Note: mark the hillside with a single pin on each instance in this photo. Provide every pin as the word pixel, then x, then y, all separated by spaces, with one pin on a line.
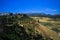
pixel 50 23
pixel 23 27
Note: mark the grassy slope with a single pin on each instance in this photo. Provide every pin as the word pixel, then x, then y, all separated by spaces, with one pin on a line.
pixel 29 23
pixel 31 26
pixel 46 24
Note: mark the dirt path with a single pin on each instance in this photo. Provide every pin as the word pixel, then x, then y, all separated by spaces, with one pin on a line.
pixel 47 32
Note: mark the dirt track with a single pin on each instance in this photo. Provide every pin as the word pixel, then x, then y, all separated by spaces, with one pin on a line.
pixel 47 32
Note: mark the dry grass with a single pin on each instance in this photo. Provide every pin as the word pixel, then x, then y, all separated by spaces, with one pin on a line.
pixel 47 32
pixel 42 19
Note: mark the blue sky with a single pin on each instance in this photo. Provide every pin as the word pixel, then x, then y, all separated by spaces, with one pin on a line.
pixel 30 6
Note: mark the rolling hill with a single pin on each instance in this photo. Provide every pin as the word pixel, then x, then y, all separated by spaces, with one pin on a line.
pixel 24 27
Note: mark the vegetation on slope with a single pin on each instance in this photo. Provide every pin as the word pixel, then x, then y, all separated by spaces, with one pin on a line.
pixel 22 27
pixel 14 31
pixel 50 23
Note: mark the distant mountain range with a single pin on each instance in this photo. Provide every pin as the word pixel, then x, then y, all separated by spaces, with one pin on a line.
pixel 34 14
